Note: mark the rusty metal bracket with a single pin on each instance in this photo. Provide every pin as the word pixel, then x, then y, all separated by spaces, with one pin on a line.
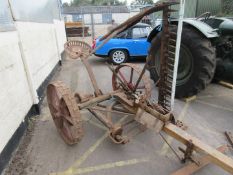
pixel 229 137
pixel 193 167
pixel 188 152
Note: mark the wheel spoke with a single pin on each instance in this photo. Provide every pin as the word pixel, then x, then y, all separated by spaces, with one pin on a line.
pixel 131 75
pixel 66 130
pixel 67 117
pixel 123 77
pixel 131 71
pixel 65 112
pixel 141 87
pixel 54 100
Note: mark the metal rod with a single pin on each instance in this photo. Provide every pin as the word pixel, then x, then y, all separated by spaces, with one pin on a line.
pixel 101 118
pixel 177 56
pixel 112 111
pixel 94 101
pixel 109 108
pixel 97 100
pixel 122 83
pixel 142 73
pixel 92 27
pixel 115 108
pixel 170 146
pixel 82 23
pixel 91 76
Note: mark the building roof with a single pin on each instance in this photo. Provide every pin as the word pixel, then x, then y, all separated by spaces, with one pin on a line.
pixel 95 9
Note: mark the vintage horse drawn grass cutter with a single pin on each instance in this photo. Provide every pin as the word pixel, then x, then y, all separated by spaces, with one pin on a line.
pixel 131 95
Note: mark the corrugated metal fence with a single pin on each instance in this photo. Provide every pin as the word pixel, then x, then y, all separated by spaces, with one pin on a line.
pixel 213 6
pixel 194 8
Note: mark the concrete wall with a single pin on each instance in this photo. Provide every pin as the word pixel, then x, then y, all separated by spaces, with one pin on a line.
pixel 27 57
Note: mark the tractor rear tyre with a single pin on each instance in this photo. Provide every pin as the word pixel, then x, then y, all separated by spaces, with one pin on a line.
pixel 197 62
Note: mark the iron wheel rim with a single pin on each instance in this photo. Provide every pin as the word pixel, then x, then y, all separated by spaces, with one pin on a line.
pixel 64 116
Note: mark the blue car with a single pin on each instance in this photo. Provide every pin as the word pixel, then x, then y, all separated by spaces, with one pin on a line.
pixel 130 43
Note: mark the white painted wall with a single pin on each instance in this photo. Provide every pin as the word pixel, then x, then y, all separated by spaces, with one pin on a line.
pixel 131 14
pixel 27 56
pixel 98 18
pixel 120 17
pixel 15 97
pixel 87 18
pixel 60 35
pixel 67 18
pixel 39 48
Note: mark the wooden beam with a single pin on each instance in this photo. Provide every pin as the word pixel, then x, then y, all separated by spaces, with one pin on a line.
pixel 215 156
pixel 193 167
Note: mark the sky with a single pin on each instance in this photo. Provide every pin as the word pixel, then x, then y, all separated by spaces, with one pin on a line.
pixel 128 1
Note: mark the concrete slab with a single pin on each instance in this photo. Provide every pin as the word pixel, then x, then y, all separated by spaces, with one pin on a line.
pixel 42 151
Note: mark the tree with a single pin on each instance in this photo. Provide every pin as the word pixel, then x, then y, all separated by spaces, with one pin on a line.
pixel 142 2
pixel 65 4
pixel 80 2
pixel 227 7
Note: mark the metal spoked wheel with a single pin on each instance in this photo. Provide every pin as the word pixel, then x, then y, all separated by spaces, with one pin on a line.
pixel 118 56
pixel 129 74
pixel 65 112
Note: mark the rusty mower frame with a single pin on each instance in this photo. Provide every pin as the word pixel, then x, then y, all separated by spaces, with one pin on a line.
pixel 130 96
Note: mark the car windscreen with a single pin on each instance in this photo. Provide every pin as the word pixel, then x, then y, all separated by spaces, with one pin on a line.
pixel 141 32
pixel 122 35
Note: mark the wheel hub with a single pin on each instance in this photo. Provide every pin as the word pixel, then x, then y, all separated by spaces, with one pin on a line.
pixel 118 56
pixel 185 67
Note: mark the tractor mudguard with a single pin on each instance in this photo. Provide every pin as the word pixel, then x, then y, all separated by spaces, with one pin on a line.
pixel 154 32
pixel 226 28
pixel 200 26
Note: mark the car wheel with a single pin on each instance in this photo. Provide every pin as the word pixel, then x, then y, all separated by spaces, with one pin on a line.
pixel 118 56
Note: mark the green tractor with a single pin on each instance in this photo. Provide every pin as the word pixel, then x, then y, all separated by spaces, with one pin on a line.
pixel 206 53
